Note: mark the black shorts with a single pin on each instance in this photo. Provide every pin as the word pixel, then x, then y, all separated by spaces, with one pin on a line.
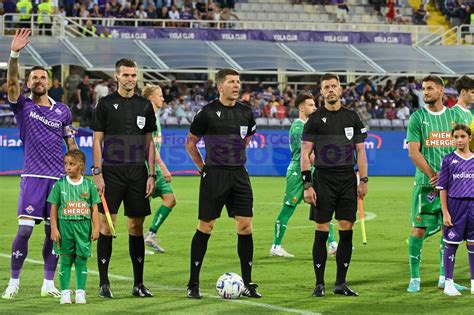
pixel 335 192
pixel 229 186
pixel 126 183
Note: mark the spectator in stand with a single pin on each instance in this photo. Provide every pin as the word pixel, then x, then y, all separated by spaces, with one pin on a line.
pixel 56 92
pixel 350 93
pixel 186 15
pixel 400 19
pixel 141 14
pixel 83 12
pixel 341 11
pixel 377 111
pixel 201 8
pixel 361 110
pixel 89 29
pixel 152 11
pixel 227 15
pixel 256 110
pixel 403 112
pixel 114 8
pixel 100 90
pixel 173 15
pixel 281 109
pixel 95 12
pixel 420 16
pixel 292 110
pixel 105 33
pixel 181 109
pixel 377 4
pixel 128 13
pixel 3 93
pixel 390 15
pixel 390 111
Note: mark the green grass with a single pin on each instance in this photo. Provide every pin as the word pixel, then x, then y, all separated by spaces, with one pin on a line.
pixel 379 270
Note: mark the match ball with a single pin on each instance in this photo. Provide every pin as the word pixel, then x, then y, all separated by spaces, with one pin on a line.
pixel 230 286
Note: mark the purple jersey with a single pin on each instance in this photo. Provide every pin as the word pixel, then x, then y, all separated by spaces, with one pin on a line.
pixel 457 176
pixel 42 130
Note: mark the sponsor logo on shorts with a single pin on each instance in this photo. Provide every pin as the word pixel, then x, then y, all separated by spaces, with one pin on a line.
pixel 30 209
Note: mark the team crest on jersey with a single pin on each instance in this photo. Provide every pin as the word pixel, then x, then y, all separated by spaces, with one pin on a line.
pixel 58 111
pixel 243 131
pixel 141 122
pixel 349 131
pixel 324 119
pixel 116 105
pixel 85 195
pixel 218 113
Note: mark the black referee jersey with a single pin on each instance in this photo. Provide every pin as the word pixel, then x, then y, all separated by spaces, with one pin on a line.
pixel 224 129
pixel 124 121
pixel 334 134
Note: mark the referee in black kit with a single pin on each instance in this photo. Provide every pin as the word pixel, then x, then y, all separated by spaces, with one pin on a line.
pixel 227 127
pixel 336 135
pixel 122 124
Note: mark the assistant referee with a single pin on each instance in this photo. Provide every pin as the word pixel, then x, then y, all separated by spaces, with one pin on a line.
pixel 227 127
pixel 336 135
pixel 123 123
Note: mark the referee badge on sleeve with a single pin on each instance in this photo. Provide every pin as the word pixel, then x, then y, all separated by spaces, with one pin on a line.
pixel 243 131
pixel 349 132
pixel 141 122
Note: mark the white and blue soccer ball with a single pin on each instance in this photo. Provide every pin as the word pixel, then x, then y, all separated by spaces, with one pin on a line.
pixel 230 286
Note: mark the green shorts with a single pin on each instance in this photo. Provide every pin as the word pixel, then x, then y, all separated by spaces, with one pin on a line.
pixel 75 237
pixel 294 191
pixel 161 186
pixel 426 207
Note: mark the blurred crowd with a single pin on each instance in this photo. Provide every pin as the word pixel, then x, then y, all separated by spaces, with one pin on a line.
pixel 390 100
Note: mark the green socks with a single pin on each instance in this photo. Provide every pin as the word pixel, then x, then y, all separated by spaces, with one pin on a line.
pixel 415 245
pixel 65 272
pixel 81 272
pixel 282 222
pixel 441 254
pixel 160 217
pixel 331 237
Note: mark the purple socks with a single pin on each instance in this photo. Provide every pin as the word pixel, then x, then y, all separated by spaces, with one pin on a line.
pixel 449 258
pixel 20 250
pixel 470 250
pixel 50 259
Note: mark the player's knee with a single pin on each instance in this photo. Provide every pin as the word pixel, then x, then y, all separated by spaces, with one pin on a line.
pixel 206 227
pixel 169 201
pixel 418 232
pixel 105 229
pixel 25 231
pixel 244 227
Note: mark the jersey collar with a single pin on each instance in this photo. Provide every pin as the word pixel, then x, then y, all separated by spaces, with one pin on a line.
pixel 74 183
pixel 441 112
pixel 461 157
pixel 53 102
pixel 462 108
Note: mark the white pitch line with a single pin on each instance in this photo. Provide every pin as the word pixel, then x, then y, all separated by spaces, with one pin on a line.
pixel 171 288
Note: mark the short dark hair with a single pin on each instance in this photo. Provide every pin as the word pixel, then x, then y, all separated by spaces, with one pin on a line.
pixel 221 74
pixel 77 155
pixel 434 78
pixel 38 68
pixel 461 127
pixel 464 83
pixel 125 62
pixel 302 97
pixel 329 76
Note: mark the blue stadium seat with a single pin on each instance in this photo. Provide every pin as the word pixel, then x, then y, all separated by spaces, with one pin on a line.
pixel 397 124
pixel 386 123
pixel 261 122
pixel 374 123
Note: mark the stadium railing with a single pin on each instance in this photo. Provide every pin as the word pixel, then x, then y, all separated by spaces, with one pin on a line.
pixel 74 27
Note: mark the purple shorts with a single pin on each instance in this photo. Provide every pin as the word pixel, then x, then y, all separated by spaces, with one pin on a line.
pixel 34 192
pixel 462 218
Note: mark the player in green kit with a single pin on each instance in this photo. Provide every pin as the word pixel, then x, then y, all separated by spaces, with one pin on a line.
pixel 465 87
pixel 163 187
pixel 294 184
pixel 74 200
pixel 429 141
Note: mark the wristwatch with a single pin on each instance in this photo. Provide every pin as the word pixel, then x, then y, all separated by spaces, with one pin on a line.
pixel 96 170
pixel 307 185
pixel 364 179
pixel 152 175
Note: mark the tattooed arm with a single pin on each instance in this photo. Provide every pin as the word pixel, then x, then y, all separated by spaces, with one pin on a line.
pixel 13 84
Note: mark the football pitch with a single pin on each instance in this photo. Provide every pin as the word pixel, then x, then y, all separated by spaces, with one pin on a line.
pixel 379 270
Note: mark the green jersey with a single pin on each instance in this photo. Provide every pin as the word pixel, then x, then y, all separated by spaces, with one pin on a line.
pixel 157 139
pixel 74 200
pixel 296 132
pixel 464 113
pixel 433 131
